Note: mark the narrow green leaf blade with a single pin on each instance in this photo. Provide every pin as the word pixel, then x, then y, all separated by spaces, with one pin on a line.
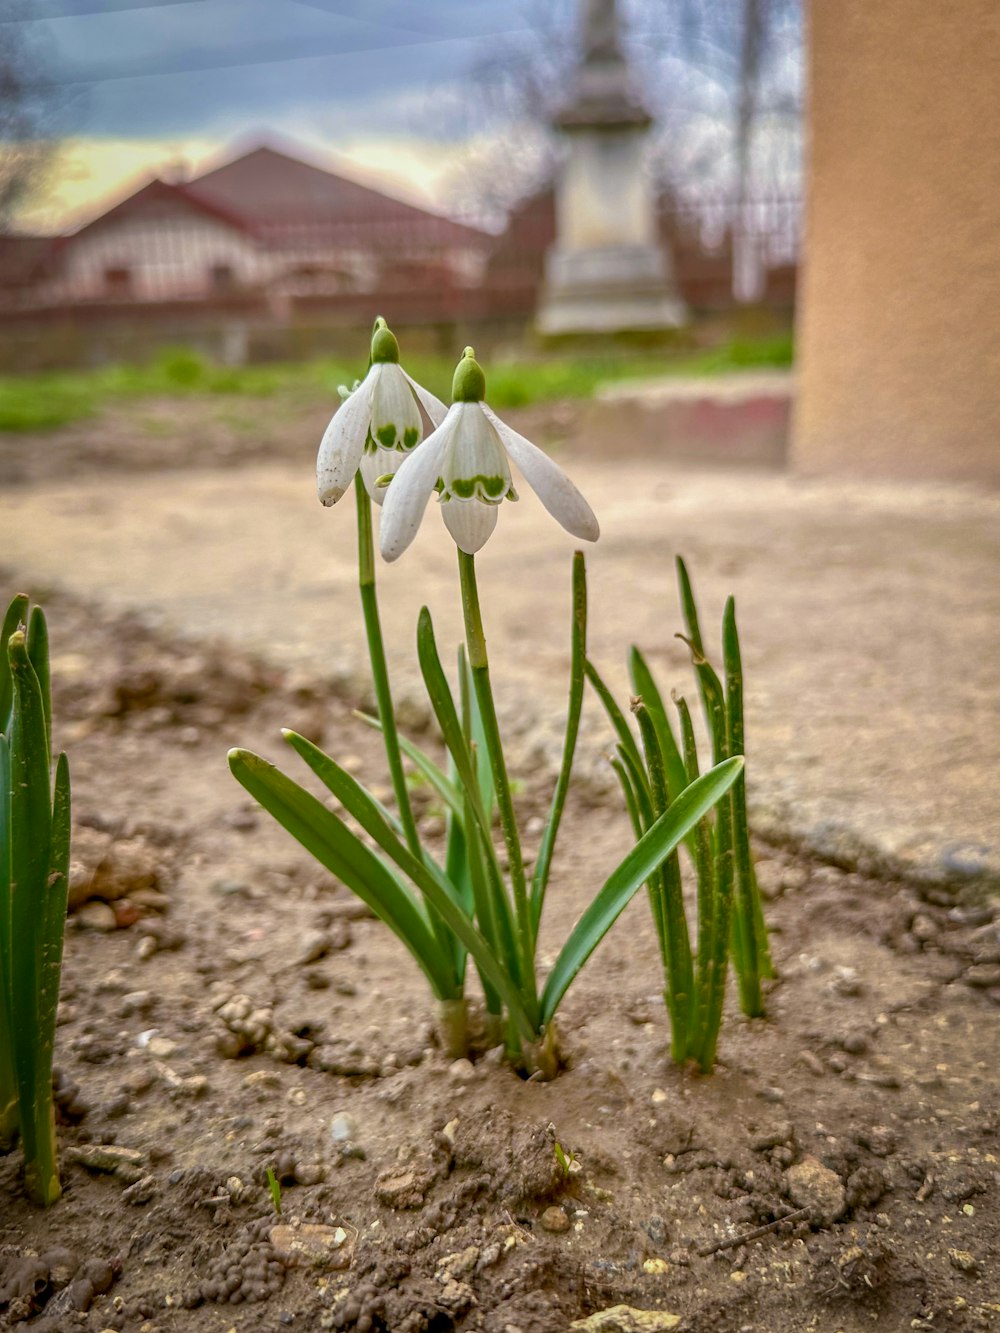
pixel 372 818
pixel 617 719
pixel 578 655
pixel 17 614
pixel 38 654
pixel 629 876
pixel 445 788
pixel 31 824
pixel 327 838
pixel 645 686
pixel 8 1086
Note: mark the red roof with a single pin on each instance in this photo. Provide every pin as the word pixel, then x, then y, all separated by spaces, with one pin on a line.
pixel 283 201
pixel 276 194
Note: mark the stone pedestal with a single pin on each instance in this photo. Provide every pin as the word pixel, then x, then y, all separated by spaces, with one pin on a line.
pixel 608 271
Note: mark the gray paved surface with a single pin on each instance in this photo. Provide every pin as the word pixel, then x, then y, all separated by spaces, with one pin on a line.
pixel 869 615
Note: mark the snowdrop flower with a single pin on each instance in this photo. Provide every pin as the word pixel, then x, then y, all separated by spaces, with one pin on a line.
pixel 466 460
pixel 376 426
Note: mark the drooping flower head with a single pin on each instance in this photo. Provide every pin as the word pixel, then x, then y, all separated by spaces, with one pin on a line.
pixel 467 461
pixel 377 425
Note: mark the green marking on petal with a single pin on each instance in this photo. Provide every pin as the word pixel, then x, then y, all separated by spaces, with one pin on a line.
pixel 512 494
pixel 384 480
pixel 490 490
pixel 411 437
pixel 386 435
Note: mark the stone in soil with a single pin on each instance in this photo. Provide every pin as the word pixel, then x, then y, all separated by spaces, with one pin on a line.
pixel 810 1184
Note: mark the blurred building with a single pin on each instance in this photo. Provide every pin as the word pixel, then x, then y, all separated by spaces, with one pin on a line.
pixel 270 256
pixel 263 223
pixel 898 342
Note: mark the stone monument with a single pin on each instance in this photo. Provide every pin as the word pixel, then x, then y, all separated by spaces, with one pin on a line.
pixel 608 271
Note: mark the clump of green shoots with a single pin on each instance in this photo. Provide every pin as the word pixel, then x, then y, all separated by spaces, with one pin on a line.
pixel 34 879
pixel 654 773
pixel 473 902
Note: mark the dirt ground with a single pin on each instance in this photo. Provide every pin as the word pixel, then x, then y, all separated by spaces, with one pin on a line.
pixel 228 1008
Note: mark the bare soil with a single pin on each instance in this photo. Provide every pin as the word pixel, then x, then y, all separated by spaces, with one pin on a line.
pixel 228 1008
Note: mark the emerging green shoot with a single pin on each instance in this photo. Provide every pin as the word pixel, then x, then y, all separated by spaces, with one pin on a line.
pixel 654 774
pixel 34 878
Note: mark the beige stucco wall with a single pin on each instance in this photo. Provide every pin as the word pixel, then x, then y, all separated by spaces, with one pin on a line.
pixel 899 317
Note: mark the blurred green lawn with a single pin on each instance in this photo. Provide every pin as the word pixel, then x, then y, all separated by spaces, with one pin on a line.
pixel 45 401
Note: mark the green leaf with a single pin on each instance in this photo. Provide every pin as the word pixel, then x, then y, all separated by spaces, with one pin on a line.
pixel 646 688
pixel 8 1085
pixel 629 876
pixel 38 654
pixel 709 686
pixel 630 750
pixel 31 827
pixel 333 844
pixel 373 819
pixel 17 614
pixel 53 930
pixel 578 654
pixel 439 693
pixel 444 787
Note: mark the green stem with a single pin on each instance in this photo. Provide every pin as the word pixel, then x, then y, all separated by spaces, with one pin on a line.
pixel 380 673
pixel 479 662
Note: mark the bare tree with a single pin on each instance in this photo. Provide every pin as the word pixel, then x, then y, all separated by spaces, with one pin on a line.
pixel 722 78
pixel 28 109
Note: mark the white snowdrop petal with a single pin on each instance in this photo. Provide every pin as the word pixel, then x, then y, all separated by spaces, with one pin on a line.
pixel 379 463
pixel 342 445
pixel 434 407
pixel 555 490
pixel 411 488
pixel 396 422
pixel 470 522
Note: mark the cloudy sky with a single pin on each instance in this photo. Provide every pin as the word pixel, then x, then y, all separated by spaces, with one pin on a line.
pixel 142 84
pixel 379 89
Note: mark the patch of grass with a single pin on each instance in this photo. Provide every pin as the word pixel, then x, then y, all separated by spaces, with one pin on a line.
pixel 43 402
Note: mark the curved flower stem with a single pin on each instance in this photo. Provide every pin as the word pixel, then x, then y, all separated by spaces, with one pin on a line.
pixel 478 661
pixel 380 674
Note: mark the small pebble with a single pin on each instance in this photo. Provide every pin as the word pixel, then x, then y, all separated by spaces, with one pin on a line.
pixel 343 1128
pixel 315 945
pixel 462 1071
pixel 812 1062
pixel 810 1184
pixel 96 916
pixel 137 1002
pixel 555 1219
pixel 963 1261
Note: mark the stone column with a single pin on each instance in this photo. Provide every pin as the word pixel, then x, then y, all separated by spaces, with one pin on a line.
pixel 608 271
